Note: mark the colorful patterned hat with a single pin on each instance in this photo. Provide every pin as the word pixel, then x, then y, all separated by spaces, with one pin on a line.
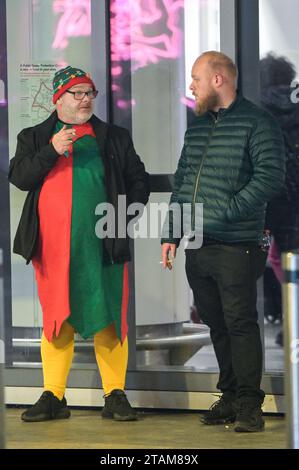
pixel 66 78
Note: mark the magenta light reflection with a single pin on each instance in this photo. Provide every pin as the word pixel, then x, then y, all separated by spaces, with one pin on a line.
pixel 143 32
pixel 126 104
pixel 188 102
pixel 75 21
pixel 128 39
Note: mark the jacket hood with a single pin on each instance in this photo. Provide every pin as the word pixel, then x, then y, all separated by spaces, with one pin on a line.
pixel 277 99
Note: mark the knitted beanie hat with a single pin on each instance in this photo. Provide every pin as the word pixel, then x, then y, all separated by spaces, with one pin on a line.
pixel 66 78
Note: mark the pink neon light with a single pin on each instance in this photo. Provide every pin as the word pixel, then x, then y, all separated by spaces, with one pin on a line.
pixel 116 70
pixel 75 21
pixel 129 21
pixel 187 102
pixel 125 104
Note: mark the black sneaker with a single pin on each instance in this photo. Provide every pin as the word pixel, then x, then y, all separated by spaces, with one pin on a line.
pixel 46 408
pixel 117 407
pixel 249 417
pixel 221 412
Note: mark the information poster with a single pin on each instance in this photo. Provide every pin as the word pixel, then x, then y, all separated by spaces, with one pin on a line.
pixel 35 93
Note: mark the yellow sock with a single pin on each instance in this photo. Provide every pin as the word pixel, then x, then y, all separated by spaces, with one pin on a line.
pixel 57 358
pixel 112 359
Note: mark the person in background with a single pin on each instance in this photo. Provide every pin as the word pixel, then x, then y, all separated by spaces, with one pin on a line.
pixel 282 217
pixel 69 164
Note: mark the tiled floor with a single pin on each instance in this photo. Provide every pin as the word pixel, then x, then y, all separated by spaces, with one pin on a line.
pixel 86 429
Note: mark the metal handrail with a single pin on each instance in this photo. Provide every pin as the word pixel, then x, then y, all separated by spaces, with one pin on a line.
pixel 201 339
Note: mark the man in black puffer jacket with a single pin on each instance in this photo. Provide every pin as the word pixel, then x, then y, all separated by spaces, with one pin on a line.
pixel 233 163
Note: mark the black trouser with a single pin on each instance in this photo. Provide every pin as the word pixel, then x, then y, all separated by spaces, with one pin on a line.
pixel 223 279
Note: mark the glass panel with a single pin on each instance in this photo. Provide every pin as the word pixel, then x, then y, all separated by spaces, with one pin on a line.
pixel 153 47
pixel 4 225
pixel 279 66
pixel 42 36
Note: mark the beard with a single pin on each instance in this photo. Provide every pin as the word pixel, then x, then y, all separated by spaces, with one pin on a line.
pixel 206 104
pixel 83 117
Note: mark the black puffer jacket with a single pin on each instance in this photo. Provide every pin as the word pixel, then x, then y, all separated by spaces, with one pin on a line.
pixel 233 164
pixel 35 157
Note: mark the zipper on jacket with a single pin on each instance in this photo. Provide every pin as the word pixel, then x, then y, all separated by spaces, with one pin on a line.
pixel 199 172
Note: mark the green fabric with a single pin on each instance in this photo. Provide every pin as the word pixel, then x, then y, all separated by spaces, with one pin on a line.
pixel 95 284
pixel 233 165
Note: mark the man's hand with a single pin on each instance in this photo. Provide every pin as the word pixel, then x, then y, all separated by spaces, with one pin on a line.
pixel 63 139
pixel 166 248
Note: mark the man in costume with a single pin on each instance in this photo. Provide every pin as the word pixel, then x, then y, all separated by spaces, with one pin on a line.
pixel 69 164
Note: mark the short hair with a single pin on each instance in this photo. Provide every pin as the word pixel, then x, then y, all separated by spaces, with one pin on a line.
pixel 219 61
pixel 276 70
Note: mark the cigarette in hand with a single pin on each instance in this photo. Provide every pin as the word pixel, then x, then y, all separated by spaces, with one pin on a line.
pixel 168 263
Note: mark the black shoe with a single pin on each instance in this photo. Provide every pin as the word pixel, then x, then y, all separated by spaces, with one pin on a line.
pixel 221 412
pixel 249 417
pixel 117 407
pixel 46 408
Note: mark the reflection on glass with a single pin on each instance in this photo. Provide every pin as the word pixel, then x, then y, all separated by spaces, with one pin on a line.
pixel 153 46
pixel 279 65
pixel 74 21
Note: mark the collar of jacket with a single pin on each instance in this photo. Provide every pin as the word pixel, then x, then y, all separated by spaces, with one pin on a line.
pixel 224 111
pixel 46 128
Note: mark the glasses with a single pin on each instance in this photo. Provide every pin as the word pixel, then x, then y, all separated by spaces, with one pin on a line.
pixel 79 95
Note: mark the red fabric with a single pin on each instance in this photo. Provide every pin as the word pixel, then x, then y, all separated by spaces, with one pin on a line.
pixel 125 303
pixel 52 260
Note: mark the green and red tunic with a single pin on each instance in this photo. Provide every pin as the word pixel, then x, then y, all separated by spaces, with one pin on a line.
pixel 75 279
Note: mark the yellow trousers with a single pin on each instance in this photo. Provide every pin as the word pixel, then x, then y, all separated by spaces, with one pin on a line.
pixel 57 356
